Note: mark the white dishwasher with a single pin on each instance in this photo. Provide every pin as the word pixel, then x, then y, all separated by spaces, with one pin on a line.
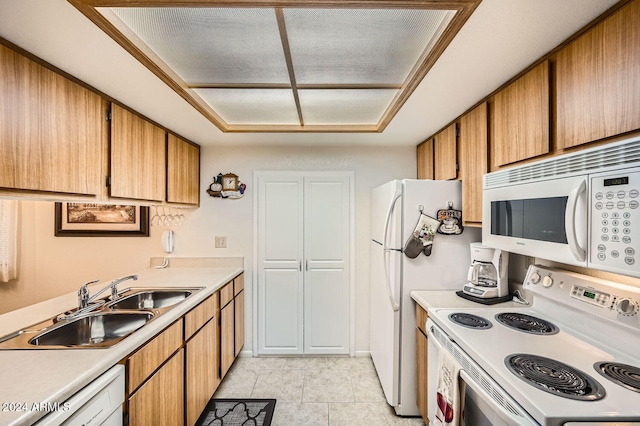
pixel 98 403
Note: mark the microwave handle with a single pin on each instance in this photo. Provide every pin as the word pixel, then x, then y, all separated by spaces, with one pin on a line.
pixel 578 252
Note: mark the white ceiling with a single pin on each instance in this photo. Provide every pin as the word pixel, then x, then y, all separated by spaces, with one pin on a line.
pixel 500 39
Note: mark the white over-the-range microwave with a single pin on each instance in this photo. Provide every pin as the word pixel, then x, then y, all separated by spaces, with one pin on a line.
pixel 579 209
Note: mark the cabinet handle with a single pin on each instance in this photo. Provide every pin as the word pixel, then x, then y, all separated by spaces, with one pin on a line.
pixel 300 265
pixel 306 265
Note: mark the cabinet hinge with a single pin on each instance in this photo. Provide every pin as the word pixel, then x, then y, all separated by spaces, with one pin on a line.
pixel 108 117
pixel 108 181
pixel 457 167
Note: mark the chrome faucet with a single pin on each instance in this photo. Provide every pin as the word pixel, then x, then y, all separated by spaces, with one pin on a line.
pixel 83 293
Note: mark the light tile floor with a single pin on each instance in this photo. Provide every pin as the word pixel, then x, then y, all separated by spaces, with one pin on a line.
pixel 314 391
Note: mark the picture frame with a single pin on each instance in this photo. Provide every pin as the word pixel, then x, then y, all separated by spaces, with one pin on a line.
pixel 101 220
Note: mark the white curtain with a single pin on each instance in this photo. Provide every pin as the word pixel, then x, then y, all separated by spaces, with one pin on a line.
pixel 8 240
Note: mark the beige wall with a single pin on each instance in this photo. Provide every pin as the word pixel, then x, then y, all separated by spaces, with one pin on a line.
pixel 50 266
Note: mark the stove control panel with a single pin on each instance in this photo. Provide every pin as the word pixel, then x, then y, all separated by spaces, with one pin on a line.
pixel 603 298
pixel 590 295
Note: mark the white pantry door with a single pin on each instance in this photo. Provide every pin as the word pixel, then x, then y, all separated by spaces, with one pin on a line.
pixel 326 272
pixel 303 263
pixel 280 245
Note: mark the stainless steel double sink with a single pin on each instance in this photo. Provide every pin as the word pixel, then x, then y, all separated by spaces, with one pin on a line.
pixel 107 324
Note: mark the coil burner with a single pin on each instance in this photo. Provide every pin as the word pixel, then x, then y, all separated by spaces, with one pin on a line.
pixel 526 323
pixel 470 321
pixel 554 377
pixel 624 375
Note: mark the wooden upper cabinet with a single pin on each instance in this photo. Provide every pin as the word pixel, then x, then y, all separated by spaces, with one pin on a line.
pixel 138 157
pixel 183 171
pixel 52 131
pixel 598 81
pixel 520 118
pixel 425 159
pixel 474 161
pixel 445 154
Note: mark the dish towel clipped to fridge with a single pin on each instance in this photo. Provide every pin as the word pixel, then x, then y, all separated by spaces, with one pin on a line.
pixel 447 391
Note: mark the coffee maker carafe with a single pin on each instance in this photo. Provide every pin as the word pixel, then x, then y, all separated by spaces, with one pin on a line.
pixel 488 273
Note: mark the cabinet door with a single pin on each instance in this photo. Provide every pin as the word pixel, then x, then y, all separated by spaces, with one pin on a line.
pixel 520 118
pixel 598 81
pixel 425 159
pixel 160 401
pixel 201 373
pixel 474 158
pixel 183 171
pixel 52 131
pixel 422 395
pixel 138 165
pixel 444 148
pixel 239 322
pixel 227 338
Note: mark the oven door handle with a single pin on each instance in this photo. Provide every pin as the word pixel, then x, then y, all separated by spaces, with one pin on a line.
pixel 571 218
pixel 518 418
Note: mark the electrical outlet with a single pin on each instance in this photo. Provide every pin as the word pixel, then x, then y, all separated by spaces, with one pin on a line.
pixel 221 242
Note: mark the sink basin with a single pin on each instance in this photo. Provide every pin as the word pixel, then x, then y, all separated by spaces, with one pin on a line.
pixel 97 330
pixel 151 299
pixel 106 324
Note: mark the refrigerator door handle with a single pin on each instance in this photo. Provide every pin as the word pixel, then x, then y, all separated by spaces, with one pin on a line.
pixel 385 250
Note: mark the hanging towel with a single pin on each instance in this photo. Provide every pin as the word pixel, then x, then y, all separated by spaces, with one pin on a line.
pixel 447 391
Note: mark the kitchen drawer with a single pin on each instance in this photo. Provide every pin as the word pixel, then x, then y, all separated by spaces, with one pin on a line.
pixel 226 294
pixel 238 284
pixel 198 316
pixel 421 318
pixel 145 361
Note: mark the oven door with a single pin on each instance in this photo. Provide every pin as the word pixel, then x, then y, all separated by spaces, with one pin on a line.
pixel 546 219
pixel 482 401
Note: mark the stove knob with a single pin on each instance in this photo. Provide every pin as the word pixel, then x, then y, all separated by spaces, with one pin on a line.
pixel 535 278
pixel 627 307
pixel 547 281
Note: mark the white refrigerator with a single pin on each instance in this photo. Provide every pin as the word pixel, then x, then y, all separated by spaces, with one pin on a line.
pixel 395 210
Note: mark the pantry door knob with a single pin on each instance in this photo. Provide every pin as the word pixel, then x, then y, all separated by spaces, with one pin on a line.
pixel 547 281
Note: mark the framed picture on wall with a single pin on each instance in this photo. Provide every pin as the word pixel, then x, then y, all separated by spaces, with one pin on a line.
pixel 101 220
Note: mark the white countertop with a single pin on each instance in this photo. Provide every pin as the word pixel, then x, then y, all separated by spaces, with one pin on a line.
pixel 448 299
pixel 48 376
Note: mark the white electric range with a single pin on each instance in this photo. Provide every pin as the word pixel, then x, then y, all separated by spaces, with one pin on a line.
pixel 579 331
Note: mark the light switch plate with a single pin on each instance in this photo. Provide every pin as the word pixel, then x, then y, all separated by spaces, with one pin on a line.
pixel 221 242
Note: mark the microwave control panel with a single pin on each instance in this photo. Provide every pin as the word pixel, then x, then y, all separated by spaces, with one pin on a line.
pixel 615 221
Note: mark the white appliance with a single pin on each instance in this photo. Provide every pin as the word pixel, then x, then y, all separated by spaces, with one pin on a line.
pixel 571 358
pixel 98 403
pixel 488 274
pixel 394 215
pixel 579 209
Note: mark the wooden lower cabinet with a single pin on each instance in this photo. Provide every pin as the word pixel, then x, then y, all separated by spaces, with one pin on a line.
pixel 227 337
pixel 422 394
pixel 239 322
pixel 160 401
pixel 201 371
pixel 172 377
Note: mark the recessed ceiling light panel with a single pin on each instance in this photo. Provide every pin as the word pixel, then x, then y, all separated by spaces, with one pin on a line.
pixel 337 107
pixel 252 106
pixel 360 46
pixel 212 45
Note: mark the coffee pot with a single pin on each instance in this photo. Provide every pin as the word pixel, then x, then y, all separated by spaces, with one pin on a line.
pixel 488 272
